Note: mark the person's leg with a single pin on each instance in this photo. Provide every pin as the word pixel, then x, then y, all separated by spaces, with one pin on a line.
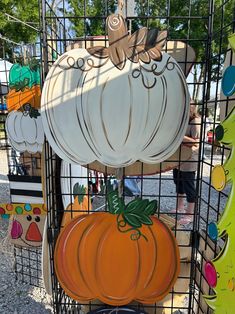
pixel 178 180
pixel 190 191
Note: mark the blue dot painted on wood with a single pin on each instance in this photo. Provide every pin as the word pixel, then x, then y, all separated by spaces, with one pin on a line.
pixel 228 81
pixel 28 207
pixel 213 231
pixel 5 216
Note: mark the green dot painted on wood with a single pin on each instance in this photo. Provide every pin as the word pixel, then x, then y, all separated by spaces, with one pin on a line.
pixel 19 210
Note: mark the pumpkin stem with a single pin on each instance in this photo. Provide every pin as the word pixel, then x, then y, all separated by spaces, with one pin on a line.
pixel 117 30
pixel 136 213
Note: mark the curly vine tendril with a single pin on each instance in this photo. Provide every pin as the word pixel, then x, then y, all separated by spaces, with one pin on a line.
pixel 121 223
pixel 80 64
pixel 137 72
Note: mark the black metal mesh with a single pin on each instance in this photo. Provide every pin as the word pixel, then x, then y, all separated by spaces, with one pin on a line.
pixel 205 26
pixel 27 262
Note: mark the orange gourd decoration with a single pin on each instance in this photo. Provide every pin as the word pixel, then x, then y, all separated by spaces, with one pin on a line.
pixel 81 204
pixel 17 99
pixel 117 256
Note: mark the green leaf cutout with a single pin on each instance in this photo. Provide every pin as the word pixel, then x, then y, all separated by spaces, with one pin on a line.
pixel 131 207
pixel 79 191
pixel 139 210
pixel 34 113
pixel 20 86
pixel 132 220
pixel 151 208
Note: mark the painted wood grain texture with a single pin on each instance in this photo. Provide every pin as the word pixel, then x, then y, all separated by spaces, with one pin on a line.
pixel 121 106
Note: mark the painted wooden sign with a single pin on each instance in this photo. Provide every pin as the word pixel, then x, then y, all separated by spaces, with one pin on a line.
pixel 46 262
pixel 103 255
pixel 24 81
pixel 27 230
pixel 26 189
pixel 183 153
pixel 220 271
pixel 17 99
pixel 117 310
pixel 25 130
pixel 22 209
pixel 70 175
pixel 119 101
pixel 23 124
pixel 228 81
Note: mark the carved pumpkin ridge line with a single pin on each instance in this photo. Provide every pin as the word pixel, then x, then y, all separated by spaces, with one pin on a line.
pixel 161 115
pixel 79 121
pixel 130 110
pixel 183 113
pixel 151 274
pixel 101 114
pixel 83 238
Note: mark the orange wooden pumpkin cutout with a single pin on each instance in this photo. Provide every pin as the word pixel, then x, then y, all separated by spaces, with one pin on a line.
pixel 17 99
pixel 118 256
pixel 80 206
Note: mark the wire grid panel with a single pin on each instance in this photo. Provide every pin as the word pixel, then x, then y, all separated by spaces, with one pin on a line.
pixel 28 266
pixel 211 202
pixel 27 260
pixel 193 24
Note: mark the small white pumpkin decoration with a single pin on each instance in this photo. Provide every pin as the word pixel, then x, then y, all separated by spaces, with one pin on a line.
pixel 25 130
pixel 116 105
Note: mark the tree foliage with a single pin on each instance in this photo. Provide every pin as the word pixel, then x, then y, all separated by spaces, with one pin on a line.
pixel 95 12
pixel 188 20
pixel 27 11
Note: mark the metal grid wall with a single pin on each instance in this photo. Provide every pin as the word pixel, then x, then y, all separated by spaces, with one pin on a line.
pixel 27 264
pixel 211 202
pixel 181 19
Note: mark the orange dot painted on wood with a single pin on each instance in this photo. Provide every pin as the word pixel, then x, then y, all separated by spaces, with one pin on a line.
pixel 231 284
pixel 9 207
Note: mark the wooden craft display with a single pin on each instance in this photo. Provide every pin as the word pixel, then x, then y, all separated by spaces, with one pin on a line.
pixel 103 255
pixel 25 130
pixel 120 100
pixel 185 56
pixel 219 271
pixel 22 209
pixel 23 124
pixel 27 230
pixel 117 310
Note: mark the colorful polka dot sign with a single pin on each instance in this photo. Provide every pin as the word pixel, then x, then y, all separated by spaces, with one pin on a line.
pixel 22 209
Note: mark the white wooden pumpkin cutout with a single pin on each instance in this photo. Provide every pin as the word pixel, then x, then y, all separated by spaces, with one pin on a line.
pixel 116 105
pixel 25 133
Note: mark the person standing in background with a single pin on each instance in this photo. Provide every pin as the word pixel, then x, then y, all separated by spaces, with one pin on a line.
pixel 184 176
